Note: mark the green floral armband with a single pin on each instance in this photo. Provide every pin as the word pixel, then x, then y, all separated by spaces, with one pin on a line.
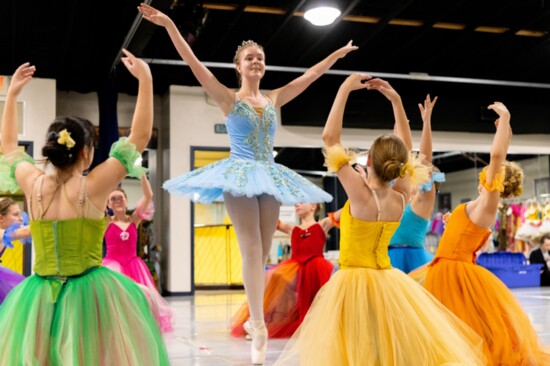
pixel 125 152
pixel 8 163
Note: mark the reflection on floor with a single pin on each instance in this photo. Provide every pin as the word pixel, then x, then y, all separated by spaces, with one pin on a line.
pixel 201 337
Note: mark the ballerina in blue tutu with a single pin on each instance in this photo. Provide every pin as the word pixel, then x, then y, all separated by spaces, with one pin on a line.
pixel 406 248
pixel 252 185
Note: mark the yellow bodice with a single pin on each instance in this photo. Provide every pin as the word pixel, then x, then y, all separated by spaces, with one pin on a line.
pixel 364 243
pixel 67 247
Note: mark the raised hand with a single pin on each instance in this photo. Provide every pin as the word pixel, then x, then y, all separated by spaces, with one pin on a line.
pixel 501 110
pixel 356 81
pixel 153 15
pixel 20 78
pixel 137 67
pixel 349 47
pixel 383 87
pixel 427 108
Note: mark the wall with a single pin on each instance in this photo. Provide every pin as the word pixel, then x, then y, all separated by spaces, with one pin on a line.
pixel 463 184
pixel 185 118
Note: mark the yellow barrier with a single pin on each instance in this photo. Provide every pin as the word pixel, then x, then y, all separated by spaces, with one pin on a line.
pixel 13 258
pixel 217 256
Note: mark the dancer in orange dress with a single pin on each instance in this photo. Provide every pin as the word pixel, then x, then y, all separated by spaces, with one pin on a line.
pixel 292 285
pixel 473 293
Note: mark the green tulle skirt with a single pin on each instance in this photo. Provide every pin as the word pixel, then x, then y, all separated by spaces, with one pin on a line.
pixel 98 318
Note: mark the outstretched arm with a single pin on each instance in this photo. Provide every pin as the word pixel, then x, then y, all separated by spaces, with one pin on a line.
pixel 25 173
pixel 285 94
pixel 401 126
pixel 351 181
pixel 482 211
pixel 104 178
pixel 8 131
pixel 145 204
pixel 285 227
pixel 426 137
pixel 222 95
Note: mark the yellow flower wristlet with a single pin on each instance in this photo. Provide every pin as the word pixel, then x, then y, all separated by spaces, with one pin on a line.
pixel 496 185
pixel 65 139
pixel 336 157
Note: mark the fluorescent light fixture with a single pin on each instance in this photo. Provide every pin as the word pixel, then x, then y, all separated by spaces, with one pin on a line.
pixel 322 15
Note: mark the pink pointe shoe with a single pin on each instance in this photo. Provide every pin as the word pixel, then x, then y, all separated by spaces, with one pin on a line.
pixel 257 330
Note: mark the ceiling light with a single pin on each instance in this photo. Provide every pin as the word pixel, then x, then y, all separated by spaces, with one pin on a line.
pixel 322 15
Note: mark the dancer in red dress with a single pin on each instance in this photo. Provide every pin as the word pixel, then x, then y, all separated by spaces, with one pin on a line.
pixel 292 285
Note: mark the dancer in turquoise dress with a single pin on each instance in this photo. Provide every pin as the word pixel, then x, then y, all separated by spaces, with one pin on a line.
pixel 406 248
pixel 73 311
pixel 252 185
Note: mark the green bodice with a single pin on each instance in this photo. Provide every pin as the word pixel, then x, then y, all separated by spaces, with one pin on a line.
pixel 67 247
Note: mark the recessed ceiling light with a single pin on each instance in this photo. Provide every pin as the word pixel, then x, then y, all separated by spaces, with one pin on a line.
pixel 322 15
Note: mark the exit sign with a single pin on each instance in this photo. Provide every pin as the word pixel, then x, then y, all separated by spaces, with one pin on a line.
pixel 220 128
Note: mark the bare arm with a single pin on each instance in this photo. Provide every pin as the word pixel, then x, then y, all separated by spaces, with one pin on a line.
pixel 285 94
pixel 401 126
pixel 145 201
pixel 25 173
pixel 353 183
pixel 327 223
pixel 483 210
pixel 221 94
pixel 423 201
pixel 107 175
pixel 285 227
pixel 426 137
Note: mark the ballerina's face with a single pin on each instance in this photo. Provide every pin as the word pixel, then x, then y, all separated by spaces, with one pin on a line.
pixel 12 215
pixel 305 209
pixel 251 63
pixel 117 201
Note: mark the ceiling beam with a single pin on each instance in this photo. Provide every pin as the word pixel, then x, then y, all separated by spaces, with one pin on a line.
pixel 466 33
pixel 379 27
pixel 289 15
pixel 466 62
pixel 428 26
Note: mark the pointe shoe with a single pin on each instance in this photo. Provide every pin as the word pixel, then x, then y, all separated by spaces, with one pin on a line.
pixel 258 332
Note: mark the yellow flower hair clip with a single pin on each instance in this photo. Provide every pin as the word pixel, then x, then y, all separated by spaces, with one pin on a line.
pixel 65 139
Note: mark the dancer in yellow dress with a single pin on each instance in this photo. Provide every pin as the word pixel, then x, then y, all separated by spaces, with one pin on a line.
pixel 369 313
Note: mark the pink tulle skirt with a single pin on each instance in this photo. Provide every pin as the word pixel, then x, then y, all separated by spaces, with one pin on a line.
pixel 136 269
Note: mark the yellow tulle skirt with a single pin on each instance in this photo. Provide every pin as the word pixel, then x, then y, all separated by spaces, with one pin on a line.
pixel 483 302
pixel 364 316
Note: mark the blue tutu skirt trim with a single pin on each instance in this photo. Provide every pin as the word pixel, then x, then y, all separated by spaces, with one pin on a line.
pixel 245 178
pixel 408 258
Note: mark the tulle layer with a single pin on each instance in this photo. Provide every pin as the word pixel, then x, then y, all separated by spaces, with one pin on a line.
pixel 137 270
pixel 290 290
pixel 8 280
pixel 246 178
pixel 364 316
pixel 483 302
pixel 408 258
pixel 100 318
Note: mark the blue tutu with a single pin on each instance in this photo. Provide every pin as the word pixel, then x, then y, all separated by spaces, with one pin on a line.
pixel 408 258
pixel 250 170
pixel 406 248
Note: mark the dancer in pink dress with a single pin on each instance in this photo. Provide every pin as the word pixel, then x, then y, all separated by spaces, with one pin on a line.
pixel 121 239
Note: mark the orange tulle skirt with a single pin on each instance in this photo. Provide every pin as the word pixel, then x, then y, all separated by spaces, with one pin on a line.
pixel 290 289
pixel 483 302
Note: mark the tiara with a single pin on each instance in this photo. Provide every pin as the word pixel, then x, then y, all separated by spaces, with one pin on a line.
pixel 245 44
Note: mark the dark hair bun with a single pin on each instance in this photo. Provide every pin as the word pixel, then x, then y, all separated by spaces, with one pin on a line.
pixel 60 154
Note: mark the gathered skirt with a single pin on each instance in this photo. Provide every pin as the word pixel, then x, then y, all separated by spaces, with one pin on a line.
pixel 98 318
